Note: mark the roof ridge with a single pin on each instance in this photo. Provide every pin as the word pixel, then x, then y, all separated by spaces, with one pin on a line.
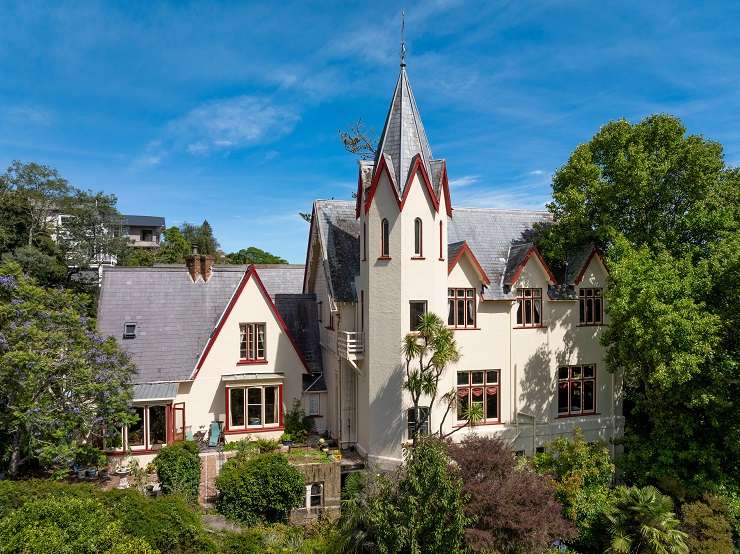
pixel 502 210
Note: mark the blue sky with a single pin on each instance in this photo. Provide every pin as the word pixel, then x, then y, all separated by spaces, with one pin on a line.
pixel 229 111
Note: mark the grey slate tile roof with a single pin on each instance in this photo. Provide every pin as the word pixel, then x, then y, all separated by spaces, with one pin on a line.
pixel 300 315
pixel 403 137
pixel 175 317
pixel 340 235
pixel 494 235
pixel 143 221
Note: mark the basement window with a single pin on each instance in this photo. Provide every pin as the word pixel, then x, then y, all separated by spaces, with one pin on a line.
pixel 129 330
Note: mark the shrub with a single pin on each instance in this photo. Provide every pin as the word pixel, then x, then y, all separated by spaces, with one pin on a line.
pixel 583 473
pixel 178 469
pixel 297 424
pixel 417 509
pixel 642 520
pixel 62 525
pixel 513 509
pixel 707 526
pixel 263 488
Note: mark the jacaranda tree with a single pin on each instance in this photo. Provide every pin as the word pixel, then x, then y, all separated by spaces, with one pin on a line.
pixel 63 387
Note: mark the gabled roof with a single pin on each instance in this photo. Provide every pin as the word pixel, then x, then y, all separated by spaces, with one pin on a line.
pixel 143 220
pixel 175 317
pixel 578 261
pixel 339 232
pixel 497 238
pixel 519 255
pixel 457 250
pixel 403 135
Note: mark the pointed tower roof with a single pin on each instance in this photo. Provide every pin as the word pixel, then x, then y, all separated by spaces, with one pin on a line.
pixel 403 133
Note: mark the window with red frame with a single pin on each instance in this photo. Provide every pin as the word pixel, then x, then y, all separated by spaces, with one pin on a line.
pixel 481 390
pixel 576 390
pixel 252 341
pixel 418 239
pixel 590 306
pixel 461 308
pixel 254 406
pixel 529 307
pixel 384 238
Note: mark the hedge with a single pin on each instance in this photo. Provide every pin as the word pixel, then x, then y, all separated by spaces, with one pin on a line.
pixel 263 488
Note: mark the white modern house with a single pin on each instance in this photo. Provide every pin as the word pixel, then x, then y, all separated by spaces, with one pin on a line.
pixel 240 345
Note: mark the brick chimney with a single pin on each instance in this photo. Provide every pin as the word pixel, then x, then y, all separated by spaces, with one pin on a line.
pixel 199 265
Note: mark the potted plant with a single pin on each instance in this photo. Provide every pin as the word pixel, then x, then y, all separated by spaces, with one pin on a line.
pixel 286 439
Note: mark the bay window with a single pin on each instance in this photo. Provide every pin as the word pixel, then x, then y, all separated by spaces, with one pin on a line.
pixel 253 407
pixel 252 342
pixel 461 308
pixel 478 392
pixel 576 390
pixel 529 307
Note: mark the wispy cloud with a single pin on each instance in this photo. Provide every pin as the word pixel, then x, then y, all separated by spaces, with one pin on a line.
pixel 537 172
pixel 464 181
pixel 222 126
pixel 26 115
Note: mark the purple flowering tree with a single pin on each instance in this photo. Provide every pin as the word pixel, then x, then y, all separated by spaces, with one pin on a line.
pixel 63 388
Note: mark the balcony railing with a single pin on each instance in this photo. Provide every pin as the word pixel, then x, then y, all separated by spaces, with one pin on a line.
pixel 350 345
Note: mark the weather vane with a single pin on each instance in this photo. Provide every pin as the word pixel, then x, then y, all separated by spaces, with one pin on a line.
pixel 403 41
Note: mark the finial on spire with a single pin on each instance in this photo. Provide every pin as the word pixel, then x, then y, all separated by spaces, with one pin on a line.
pixel 403 41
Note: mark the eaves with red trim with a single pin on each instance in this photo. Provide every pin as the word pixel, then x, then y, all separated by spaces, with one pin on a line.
pixel 532 251
pixel 594 253
pixel 465 250
pixel 250 273
pixel 416 167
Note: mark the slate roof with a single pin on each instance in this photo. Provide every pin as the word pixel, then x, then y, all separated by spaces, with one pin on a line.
pixel 497 238
pixel 143 221
pixel 174 317
pixel 340 235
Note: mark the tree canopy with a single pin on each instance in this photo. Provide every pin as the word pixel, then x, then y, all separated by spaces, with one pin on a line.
pixel 664 207
pixel 200 236
pixel 62 386
pixel 253 255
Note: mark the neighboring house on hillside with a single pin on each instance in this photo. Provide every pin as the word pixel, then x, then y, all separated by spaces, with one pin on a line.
pixel 143 231
pixel 238 345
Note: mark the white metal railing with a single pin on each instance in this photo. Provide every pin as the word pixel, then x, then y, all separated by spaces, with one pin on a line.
pixel 350 345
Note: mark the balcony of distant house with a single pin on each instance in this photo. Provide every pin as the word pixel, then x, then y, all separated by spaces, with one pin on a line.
pixel 144 231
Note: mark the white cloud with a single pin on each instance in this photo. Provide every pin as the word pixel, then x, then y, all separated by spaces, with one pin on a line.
pixel 464 181
pixel 537 172
pixel 26 115
pixel 222 126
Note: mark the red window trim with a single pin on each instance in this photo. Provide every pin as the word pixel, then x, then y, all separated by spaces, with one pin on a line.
pixel 569 381
pixel 384 258
pixel 248 430
pixel 441 256
pixel 521 299
pixel 485 385
pixel 385 235
pixel 420 254
pixel 583 299
pixel 169 429
pixel 465 298
pixel 256 359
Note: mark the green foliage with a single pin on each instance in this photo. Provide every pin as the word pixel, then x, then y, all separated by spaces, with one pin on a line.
pixel 61 525
pixel 641 521
pixel 253 255
pixel 175 247
pixel 61 385
pixel 261 488
pixel 583 474
pixel 426 353
pixel 178 469
pixel 258 446
pixel 297 424
pixel 138 257
pixel 45 268
pixel 418 509
pixel 665 208
pixel 707 527
pixel 200 236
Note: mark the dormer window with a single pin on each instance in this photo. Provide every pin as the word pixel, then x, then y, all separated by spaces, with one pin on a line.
pixel 418 239
pixel 384 239
pixel 129 330
pixel 529 308
pixel 590 306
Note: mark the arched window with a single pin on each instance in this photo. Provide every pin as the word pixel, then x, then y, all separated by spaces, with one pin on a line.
pixel 418 240
pixel 384 232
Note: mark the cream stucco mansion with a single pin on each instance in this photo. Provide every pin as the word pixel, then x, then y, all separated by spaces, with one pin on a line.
pixel 241 345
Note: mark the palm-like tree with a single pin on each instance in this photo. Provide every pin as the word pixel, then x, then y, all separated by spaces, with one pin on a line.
pixel 642 522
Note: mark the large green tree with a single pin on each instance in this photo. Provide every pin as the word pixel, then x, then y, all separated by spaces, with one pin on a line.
pixel 62 386
pixel 200 236
pixel 175 247
pixel 664 206
pixel 254 255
